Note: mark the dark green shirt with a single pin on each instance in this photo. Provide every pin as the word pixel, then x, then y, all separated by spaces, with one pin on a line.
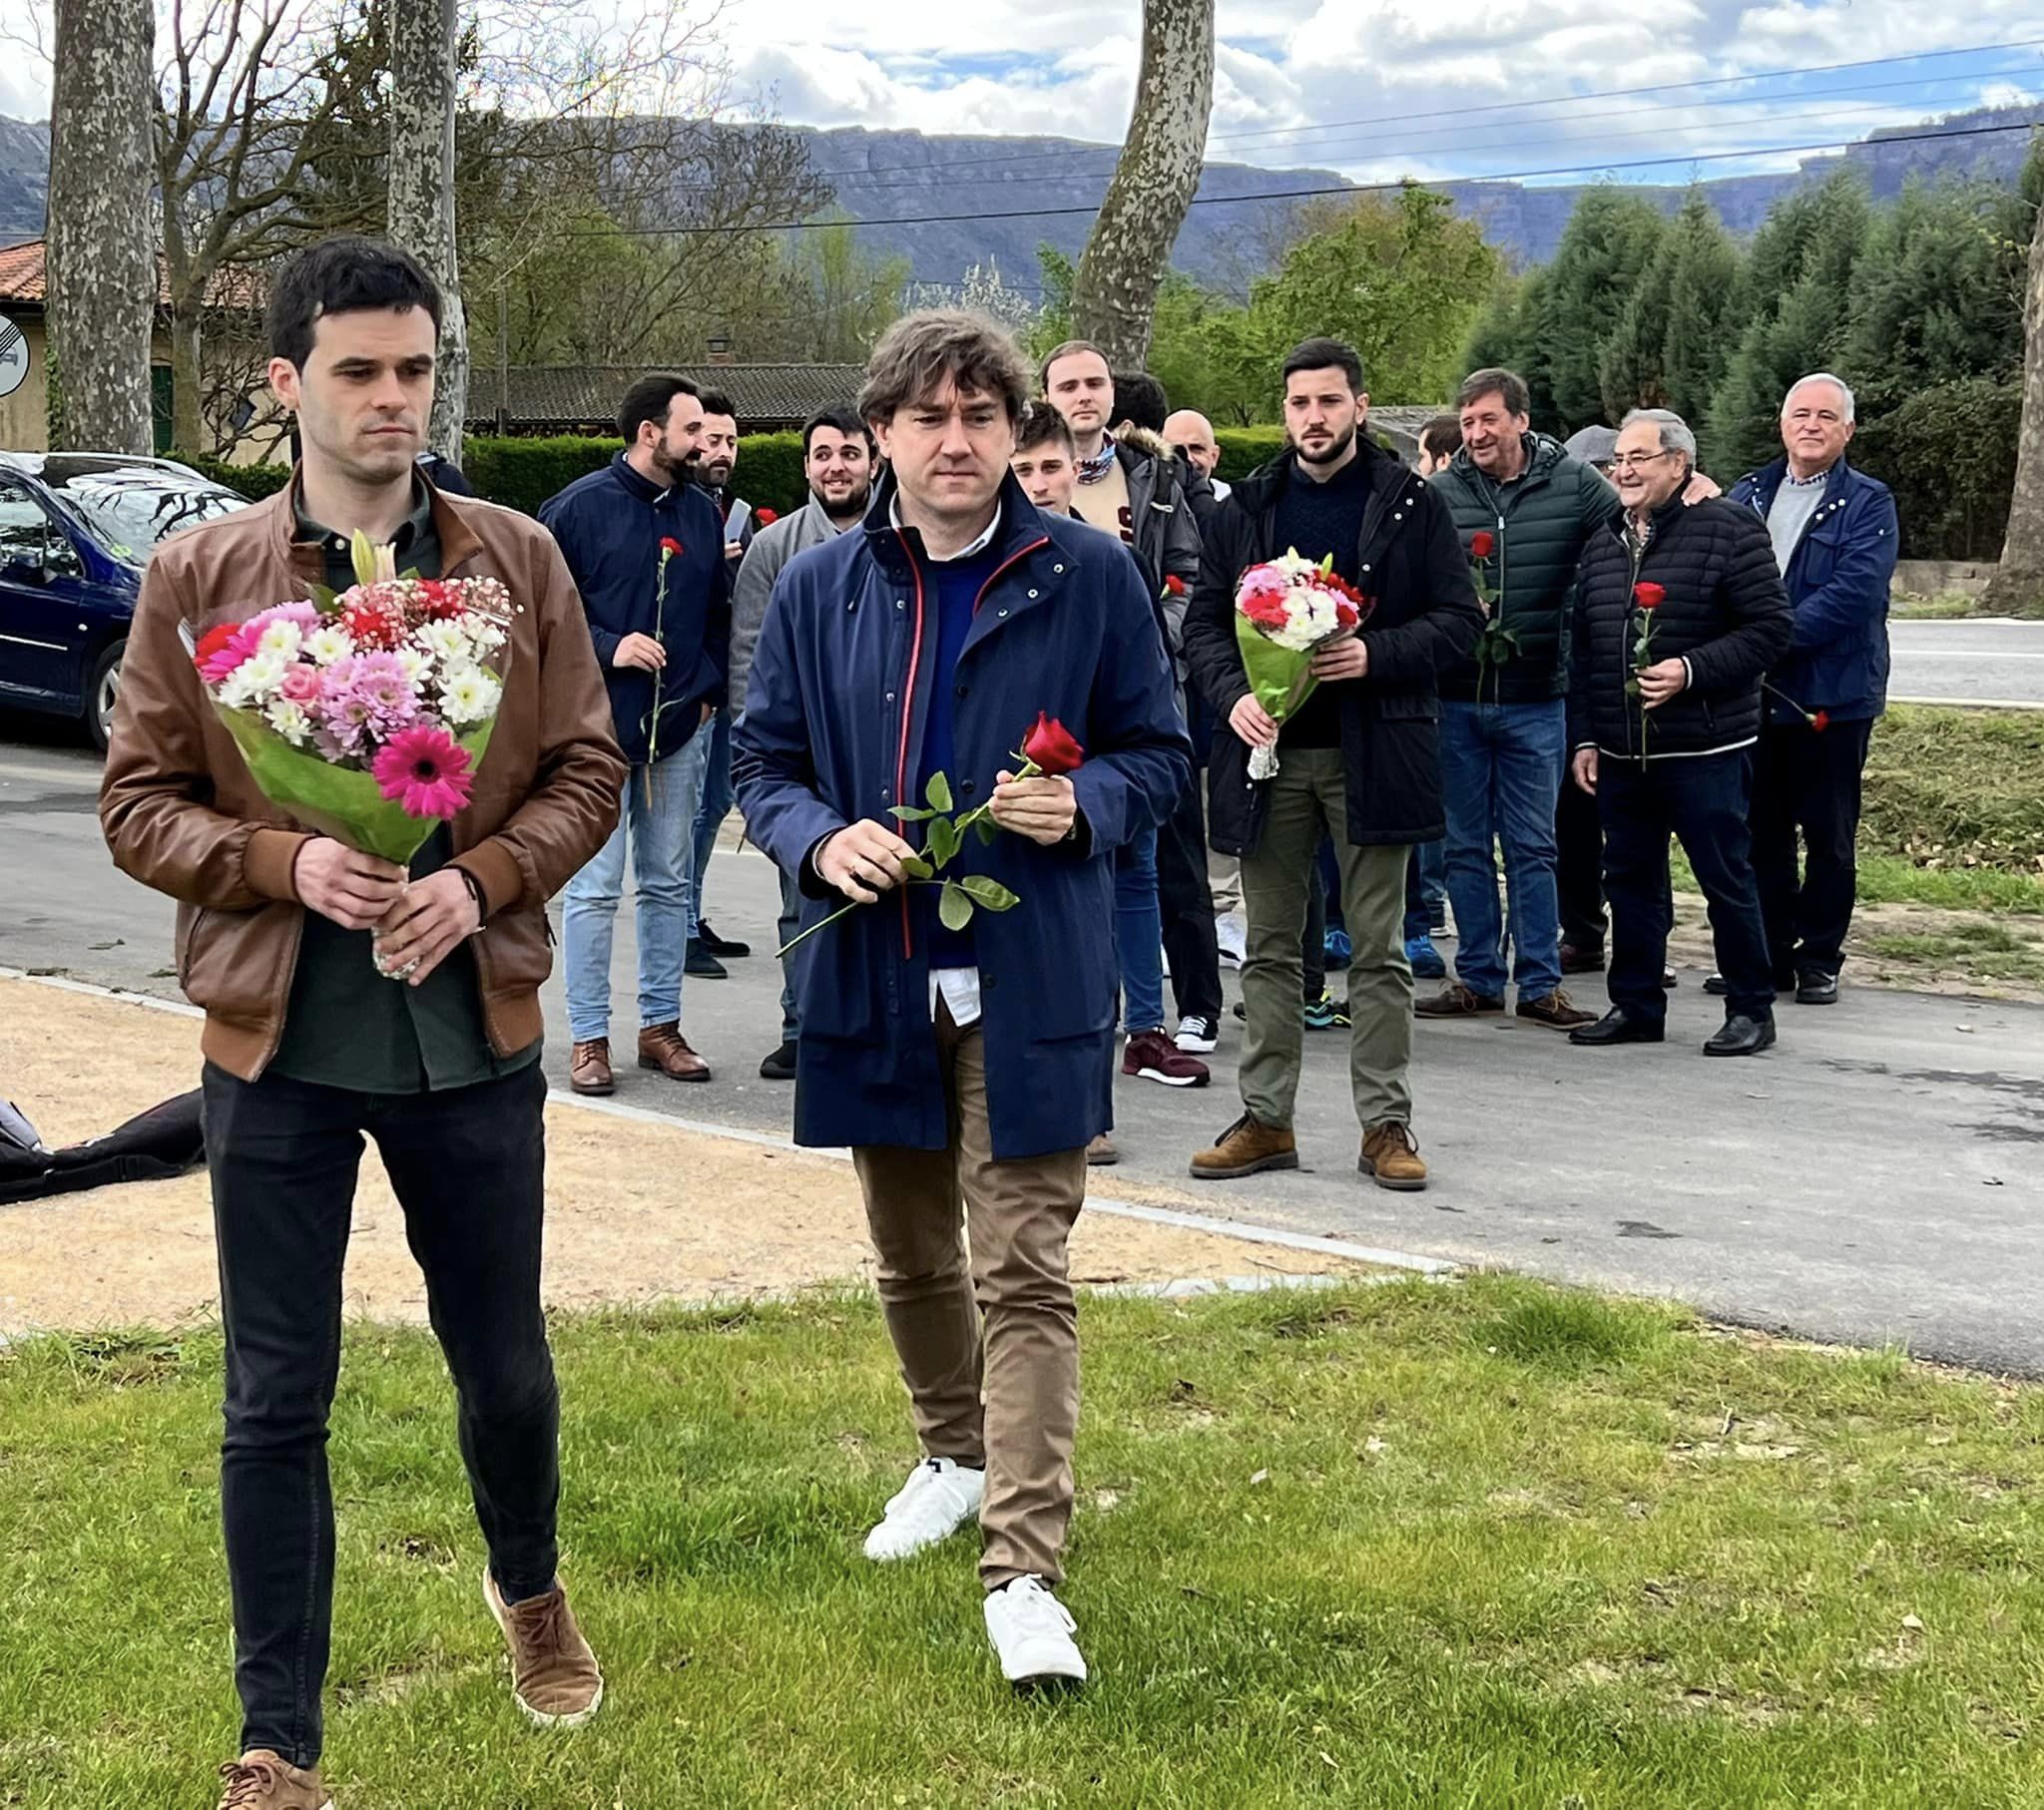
pixel 347 1025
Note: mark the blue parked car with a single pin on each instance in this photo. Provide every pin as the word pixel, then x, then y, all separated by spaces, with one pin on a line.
pixel 76 529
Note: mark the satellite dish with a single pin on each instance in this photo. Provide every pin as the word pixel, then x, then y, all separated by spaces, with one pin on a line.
pixel 13 357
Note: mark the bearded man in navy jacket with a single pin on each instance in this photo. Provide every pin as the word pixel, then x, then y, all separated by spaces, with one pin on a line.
pixel 967 1067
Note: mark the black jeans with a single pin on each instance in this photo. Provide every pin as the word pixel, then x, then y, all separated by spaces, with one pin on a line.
pixel 1187 904
pixel 1579 866
pixel 1702 799
pixel 468 1168
pixel 1808 782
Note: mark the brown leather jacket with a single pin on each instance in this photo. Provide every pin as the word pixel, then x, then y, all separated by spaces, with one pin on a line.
pixel 182 814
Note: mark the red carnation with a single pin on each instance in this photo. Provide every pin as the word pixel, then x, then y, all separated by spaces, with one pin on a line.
pixel 1482 544
pixel 671 546
pixel 765 517
pixel 1051 747
pixel 1346 613
pixel 1820 722
pixel 212 641
pixel 1174 586
pixel 438 602
pixel 1266 612
pixel 1649 596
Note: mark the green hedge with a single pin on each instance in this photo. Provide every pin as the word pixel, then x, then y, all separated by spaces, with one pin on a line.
pixel 523 473
pixel 1949 455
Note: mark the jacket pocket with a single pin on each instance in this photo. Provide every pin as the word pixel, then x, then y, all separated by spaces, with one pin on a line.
pixel 515 951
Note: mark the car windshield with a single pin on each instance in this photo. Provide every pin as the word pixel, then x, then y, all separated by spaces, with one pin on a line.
pixel 132 507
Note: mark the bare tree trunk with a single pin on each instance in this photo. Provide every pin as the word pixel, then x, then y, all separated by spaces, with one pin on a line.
pixel 101 258
pixel 2019 583
pixel 188 375
pixel 422 43
pixel 1115 291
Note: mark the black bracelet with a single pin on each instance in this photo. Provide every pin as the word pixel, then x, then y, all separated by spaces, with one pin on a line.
pixel 475 890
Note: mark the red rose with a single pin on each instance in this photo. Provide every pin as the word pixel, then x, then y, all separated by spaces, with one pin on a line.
pixel 765 517
pixel 1482 544
pixel 212 641
pixel 1174 586
pixel 1820 722
pixel 1649 596
pixel 671 546
pixel 1051 747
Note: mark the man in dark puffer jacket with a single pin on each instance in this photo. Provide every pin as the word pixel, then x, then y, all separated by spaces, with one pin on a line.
pixel 1678 614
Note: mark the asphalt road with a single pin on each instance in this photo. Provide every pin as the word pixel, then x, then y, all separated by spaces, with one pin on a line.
pixel 1878 1176
pixel 1990 659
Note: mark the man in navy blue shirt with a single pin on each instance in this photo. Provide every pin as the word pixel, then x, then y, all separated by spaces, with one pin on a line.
pixel 967 1062
pixel 646 547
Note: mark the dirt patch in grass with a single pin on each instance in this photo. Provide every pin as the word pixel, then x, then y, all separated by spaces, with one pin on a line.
pixel 636 1212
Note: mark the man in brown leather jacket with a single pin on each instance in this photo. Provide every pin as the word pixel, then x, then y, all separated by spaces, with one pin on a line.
pixel 309 1046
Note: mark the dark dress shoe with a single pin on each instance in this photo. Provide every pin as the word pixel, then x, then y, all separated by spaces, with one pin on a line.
pixel 720 946
pixel 1813 987
pixel 1581 959
pixel 701 964
pixel 1716 985
pixel 780 1064
pixel 1743 1035
pixel 1618 1025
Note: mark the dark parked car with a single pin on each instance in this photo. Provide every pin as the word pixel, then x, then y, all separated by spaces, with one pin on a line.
pixel 76 529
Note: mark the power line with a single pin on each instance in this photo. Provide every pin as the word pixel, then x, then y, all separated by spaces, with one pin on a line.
pixel 1289 194
pixel 1567 100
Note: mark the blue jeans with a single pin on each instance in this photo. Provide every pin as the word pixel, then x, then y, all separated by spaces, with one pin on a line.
pixel 1425 886
pixel 716 806
pixel 658 818
pixel 1501 769
pixel 1139 933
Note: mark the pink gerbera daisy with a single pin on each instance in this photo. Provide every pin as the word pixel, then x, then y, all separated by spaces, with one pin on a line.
pixel 426 771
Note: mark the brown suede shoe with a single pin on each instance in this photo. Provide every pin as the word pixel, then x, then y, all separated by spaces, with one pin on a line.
pixel 554 1676
pixel 1457 1001
pixel 261 1780
pixel 1557 1012
pixel 1392 1154
pixel 589 1067
pixel 666 1051
pixel 1246 1149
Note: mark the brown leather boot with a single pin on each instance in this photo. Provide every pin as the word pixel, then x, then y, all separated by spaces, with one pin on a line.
pixel 589 1067
pixel 261 1780
pixel 1246 1149
pixel 663 1048
pixel 1392 1154
pixel 554 1676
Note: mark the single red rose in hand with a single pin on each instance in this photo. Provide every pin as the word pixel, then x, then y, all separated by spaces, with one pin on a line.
pixel 1649 596
pixel 211 642
pixel 765 517
pixel 671 546
pixel 1482 544
pixel 1174 586
pixel 1820 722
pixel 1051 747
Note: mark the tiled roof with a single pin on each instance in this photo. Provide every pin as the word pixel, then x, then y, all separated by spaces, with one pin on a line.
pixel 23 282
pixel 566 396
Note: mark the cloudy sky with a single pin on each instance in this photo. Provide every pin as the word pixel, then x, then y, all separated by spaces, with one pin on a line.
pixel 1382 88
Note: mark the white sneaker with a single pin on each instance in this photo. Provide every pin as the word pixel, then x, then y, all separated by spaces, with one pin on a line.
pixel 1200 1036
pixel 938 1499
pixel 1032 1633
pixel 1234 937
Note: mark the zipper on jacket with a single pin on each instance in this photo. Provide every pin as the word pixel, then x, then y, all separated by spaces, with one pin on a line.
pixel 907 718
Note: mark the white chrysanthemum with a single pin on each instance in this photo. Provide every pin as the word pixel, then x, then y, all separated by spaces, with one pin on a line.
pixel 328 644
pixel 254 680
pixel 290 721
pixel 446 641
pixel 484 635
pixel 280 638
pixel 417 664
pixel 468 695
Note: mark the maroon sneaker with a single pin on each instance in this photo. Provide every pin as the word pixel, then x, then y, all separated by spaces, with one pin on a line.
pixel 1151 1056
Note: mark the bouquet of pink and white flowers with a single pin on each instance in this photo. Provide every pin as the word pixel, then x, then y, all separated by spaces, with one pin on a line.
pixel 1284 609
pixel 365 714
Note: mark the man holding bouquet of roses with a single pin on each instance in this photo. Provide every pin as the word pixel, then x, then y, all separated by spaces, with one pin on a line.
pixel 346 995
pixel 1359 760
pixel 963 650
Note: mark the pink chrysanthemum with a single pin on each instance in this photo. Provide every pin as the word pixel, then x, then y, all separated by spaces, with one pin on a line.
pixel 426 771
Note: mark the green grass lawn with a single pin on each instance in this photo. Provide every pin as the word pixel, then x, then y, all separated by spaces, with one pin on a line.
pixel 1477 1545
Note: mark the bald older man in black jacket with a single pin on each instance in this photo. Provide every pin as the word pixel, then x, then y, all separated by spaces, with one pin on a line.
pixel 1679 611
